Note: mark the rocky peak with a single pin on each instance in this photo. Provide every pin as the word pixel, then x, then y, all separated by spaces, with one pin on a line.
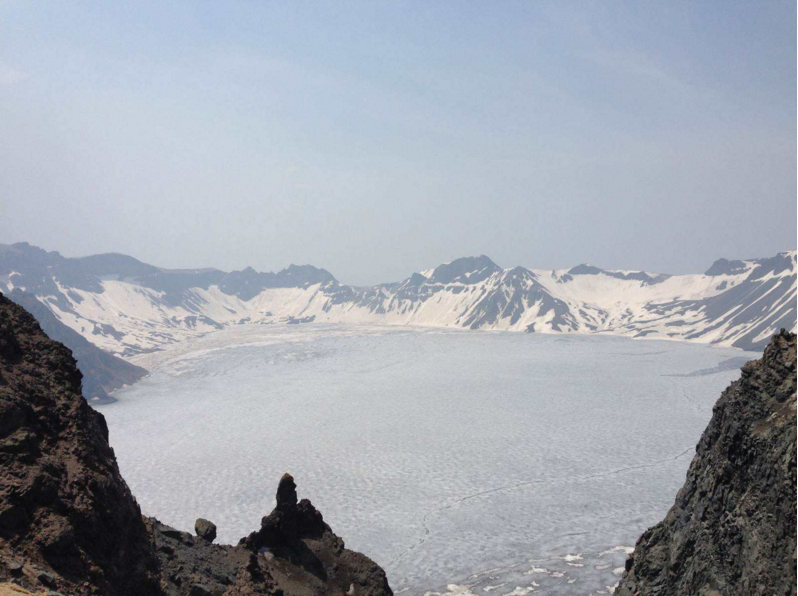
pixel 295 532
pixel 467 270
pixel 726 267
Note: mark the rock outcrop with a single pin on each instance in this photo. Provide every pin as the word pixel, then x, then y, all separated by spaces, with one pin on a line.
pixel 69 524
pixel 66 514
pixel 294 553
pixel 732 528
pixel 296 532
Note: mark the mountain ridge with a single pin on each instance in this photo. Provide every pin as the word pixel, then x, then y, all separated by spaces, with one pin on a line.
pixel 128 307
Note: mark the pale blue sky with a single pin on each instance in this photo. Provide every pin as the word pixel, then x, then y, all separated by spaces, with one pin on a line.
pixel 379 138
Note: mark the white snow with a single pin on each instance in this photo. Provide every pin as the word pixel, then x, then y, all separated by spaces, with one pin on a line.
pixel 439 453
pixel 144 320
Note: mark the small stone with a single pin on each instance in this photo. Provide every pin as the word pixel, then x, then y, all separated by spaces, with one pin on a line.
pixel 46 578
pixel 205 529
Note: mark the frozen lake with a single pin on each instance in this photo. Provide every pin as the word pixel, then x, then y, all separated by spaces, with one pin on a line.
pixel 460 461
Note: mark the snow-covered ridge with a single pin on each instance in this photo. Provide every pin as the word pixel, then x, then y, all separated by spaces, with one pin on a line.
pixel 128 307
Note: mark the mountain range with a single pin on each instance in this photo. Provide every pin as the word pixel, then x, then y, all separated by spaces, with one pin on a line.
pixel 126 307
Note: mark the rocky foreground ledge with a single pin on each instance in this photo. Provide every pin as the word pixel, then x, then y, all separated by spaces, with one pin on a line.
pixel 69 524
pixel 732 528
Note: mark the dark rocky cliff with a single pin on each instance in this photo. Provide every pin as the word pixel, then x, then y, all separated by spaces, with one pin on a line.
pixel 66 514
pixel 732 530
pixel 69 523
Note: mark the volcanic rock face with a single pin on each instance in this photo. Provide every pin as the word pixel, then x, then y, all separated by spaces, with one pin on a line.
pixel 69 523
pixel 66 513
pixel 732 528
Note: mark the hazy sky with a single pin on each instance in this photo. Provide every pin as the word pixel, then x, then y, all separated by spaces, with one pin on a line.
pixel 379 138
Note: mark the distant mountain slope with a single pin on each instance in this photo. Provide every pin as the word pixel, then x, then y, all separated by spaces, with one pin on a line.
pixel 127 307
pixel 102 372
pixel 732 528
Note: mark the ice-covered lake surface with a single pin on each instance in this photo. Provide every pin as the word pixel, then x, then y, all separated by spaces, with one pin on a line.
pixel 460 461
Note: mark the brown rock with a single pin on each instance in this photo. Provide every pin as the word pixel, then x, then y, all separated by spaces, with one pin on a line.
pixel 205 529
pixel 64 506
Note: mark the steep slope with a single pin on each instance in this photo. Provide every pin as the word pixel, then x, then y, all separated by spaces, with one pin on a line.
pixel 66 515
pixel 102 372
pixel 732 528
pixel 127 307
pixel 69 523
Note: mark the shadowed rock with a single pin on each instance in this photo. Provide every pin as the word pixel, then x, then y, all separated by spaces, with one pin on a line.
pixel 64 507
pixel 732 528
pixel 286 491
pixel 295 532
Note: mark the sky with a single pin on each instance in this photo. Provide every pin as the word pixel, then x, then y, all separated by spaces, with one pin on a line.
pixel 375 138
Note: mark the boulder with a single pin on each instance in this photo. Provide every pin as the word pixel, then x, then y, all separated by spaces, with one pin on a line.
pixel 205 529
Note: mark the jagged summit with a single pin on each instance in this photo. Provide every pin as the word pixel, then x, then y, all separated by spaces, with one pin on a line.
pixel 783 262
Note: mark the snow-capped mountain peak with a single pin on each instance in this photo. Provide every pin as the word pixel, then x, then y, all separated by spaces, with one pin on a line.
pixel 128 307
